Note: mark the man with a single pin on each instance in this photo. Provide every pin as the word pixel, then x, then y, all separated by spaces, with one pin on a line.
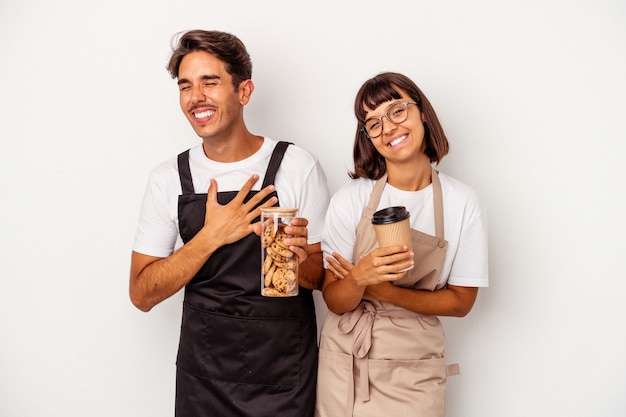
pixel 240 354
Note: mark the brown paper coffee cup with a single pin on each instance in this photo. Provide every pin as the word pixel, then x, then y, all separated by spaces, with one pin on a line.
pixel 392 226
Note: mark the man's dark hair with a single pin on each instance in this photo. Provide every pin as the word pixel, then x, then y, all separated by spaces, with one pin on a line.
pixel 222 45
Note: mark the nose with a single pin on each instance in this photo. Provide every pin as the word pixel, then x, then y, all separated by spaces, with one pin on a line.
pixel 388 125
pixel 197 94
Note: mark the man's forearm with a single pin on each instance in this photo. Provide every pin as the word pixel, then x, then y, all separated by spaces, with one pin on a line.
pixel 311 271
pixel 156 279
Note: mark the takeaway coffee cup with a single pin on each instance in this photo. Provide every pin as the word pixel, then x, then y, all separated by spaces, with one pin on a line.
pixel 392 227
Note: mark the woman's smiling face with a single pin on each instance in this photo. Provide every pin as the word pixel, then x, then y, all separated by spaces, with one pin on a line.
pixel 398 141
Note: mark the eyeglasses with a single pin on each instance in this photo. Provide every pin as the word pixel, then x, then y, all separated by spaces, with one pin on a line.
pixel 396 113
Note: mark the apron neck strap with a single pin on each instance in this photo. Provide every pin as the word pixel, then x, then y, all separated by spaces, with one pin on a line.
pixel 275 160
pixel 184 173
pixel 372 204
pixel 438 200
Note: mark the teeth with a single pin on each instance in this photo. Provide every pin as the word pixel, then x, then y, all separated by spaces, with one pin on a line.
pixel 400 139
pixel 203 114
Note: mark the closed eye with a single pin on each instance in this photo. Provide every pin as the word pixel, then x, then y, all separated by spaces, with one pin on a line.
pixel 398 112
pixel 373 124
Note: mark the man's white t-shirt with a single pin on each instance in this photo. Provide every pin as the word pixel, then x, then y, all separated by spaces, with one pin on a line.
pixel 465 225
pixel 300 182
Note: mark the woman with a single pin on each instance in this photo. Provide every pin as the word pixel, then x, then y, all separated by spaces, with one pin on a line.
pixel 382 344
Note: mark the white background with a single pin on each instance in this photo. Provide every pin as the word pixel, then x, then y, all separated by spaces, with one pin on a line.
pixel 531 94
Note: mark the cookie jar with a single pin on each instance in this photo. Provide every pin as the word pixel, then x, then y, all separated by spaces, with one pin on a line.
pixel 279 265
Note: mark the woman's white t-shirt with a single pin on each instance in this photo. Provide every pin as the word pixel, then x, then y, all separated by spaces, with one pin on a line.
pixel 465 225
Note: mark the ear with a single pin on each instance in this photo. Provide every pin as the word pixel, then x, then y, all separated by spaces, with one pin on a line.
pixel 245 91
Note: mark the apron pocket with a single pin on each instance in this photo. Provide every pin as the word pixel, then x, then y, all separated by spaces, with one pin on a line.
pixel 262 351
pixel 420 384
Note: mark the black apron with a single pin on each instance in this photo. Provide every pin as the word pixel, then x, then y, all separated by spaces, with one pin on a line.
pixel 241 354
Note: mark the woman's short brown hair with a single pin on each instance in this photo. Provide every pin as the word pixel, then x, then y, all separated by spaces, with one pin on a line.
pixel 222 45
pixel 368 163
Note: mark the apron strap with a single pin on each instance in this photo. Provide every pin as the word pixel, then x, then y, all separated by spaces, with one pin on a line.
pixel 184 173
pixel 438 199
pixel 275 160
pixel 360 322
pixel 372 204
pixel 453 369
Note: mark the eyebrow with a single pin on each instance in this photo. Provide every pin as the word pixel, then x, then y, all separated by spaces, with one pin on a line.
pixel 387 108
pixel 203 78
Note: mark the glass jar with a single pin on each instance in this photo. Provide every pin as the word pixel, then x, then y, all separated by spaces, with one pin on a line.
pixel 279 265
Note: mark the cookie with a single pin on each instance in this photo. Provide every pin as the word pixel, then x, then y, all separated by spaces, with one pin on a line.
pixel 272 292
pixel 280 238
pixel 290 264
pixel 269 274
pixel 281 250
pixel 284 280
pixel 267 264
pixel 268 235
pixel 275 255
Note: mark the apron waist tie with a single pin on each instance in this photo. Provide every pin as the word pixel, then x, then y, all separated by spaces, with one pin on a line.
pixel 360 322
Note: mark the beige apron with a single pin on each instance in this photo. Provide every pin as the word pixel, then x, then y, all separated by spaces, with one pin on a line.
pixel 381 359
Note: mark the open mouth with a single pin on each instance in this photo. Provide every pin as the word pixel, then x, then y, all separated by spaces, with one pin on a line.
pixel 397 140
pixel 203 114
